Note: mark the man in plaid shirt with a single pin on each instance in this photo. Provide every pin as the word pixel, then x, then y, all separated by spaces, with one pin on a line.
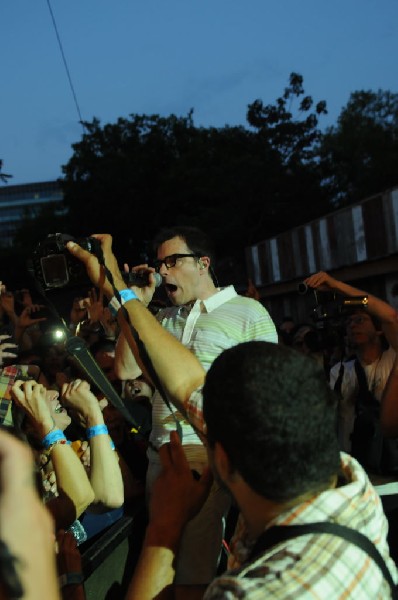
pixel 268 423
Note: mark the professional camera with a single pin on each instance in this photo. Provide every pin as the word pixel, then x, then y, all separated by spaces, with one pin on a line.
pixel 331 307
pixel 54 267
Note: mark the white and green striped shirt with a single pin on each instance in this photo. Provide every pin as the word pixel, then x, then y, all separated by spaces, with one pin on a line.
pixel 211 326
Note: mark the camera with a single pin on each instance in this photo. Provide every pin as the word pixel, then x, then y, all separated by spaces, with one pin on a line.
pixel 54 267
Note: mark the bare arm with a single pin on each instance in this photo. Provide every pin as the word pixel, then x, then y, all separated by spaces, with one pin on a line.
pixel 375 306
pixel 176 498
pixel 26 526
pixel 71 477
pixel 389 403
pixel 105 475
pixel 126 366
pixel 177 368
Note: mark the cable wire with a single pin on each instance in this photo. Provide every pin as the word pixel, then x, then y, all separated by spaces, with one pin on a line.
pixel 66 66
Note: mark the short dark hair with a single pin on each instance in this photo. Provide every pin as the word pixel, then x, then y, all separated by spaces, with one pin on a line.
pixel 272 411
pixel 196 240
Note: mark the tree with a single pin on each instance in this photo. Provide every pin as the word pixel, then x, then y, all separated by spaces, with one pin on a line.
pixel 293 190
pixel 359 155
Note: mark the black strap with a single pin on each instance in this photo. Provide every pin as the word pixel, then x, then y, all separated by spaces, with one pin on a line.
pixel 282 533
pixel 365 396
pixel 144 356
pixel 339 380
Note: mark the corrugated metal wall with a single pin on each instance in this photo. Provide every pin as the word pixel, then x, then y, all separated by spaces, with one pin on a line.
pixel 361 232
pixel 357 244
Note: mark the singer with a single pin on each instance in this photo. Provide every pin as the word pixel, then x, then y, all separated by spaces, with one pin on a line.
pixel 207 320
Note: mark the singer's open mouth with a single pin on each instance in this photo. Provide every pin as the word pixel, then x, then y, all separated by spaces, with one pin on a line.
pixel 170 287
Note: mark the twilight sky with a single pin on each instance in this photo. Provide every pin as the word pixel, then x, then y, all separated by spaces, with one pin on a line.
pixel 163 57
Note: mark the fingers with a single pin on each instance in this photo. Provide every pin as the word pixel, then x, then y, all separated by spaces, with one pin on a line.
pixel 22 390
pixel 4 337
pixel 80 253
pixel 69 390
pixel 7 347
pixel 172 454
pixel 28 389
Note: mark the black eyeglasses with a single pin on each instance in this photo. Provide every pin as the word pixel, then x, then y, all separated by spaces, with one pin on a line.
pixel 170 261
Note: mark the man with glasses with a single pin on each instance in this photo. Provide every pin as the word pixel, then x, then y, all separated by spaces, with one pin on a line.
pixel 207 320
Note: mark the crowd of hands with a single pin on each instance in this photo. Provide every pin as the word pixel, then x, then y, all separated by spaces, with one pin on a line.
pixel 86 475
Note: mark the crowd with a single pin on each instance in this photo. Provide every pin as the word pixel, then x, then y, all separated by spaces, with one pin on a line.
pixel 280 436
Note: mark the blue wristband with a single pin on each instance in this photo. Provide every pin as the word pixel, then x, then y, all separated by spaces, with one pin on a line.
pixel 70 579
pixel 52 437
pixel 127 295
pixel 98 430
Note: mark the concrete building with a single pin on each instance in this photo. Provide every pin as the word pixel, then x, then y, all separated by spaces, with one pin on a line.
pixel 18 201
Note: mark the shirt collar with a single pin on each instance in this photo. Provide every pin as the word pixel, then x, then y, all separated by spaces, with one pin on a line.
pixel 209 304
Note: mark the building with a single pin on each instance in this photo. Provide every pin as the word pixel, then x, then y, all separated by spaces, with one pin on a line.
pixel 19 201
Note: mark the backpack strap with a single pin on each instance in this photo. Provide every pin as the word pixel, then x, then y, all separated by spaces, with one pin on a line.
pixel 339 380
pixel 282 533
pixel 365 397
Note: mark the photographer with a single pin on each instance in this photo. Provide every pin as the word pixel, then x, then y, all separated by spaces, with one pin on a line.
pixel 372 331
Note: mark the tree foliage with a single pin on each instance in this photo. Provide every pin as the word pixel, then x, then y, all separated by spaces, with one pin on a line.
pixel 240 184
pixel 360 154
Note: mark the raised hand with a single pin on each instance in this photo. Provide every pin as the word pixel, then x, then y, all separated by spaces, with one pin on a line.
pixel 96 307
pixel 321 281
pixel 28 318
pixel 7 302
pixel 5 346
pixel 78 397
pixel 32 398
pixel 79 310
pixel 144 293
pixel 96 271
pixel 176 495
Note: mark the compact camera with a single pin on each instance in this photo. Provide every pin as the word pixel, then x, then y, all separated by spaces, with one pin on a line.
pixel 54 267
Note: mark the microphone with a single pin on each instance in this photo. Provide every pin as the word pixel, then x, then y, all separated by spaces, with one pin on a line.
pixel 141 278
pixel 76 347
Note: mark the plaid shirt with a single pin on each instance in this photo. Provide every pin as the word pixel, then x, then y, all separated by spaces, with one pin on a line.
pixel 315 566
pixel 8 375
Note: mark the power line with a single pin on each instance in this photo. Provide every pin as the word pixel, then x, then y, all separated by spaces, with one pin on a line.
pixel 66 65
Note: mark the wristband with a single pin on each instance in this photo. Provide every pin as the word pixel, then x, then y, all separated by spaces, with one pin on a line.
pixel 54 436
pixel 70 579
pixel 114 306
pixel 125 296
pixel 98 430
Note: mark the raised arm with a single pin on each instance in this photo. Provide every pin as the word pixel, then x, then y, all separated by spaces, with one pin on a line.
pixel 389 403
pixel 176 498
pixel 177 368
pixel 105 475
pixel 126 366
pixel 72 483
pixel 375 306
